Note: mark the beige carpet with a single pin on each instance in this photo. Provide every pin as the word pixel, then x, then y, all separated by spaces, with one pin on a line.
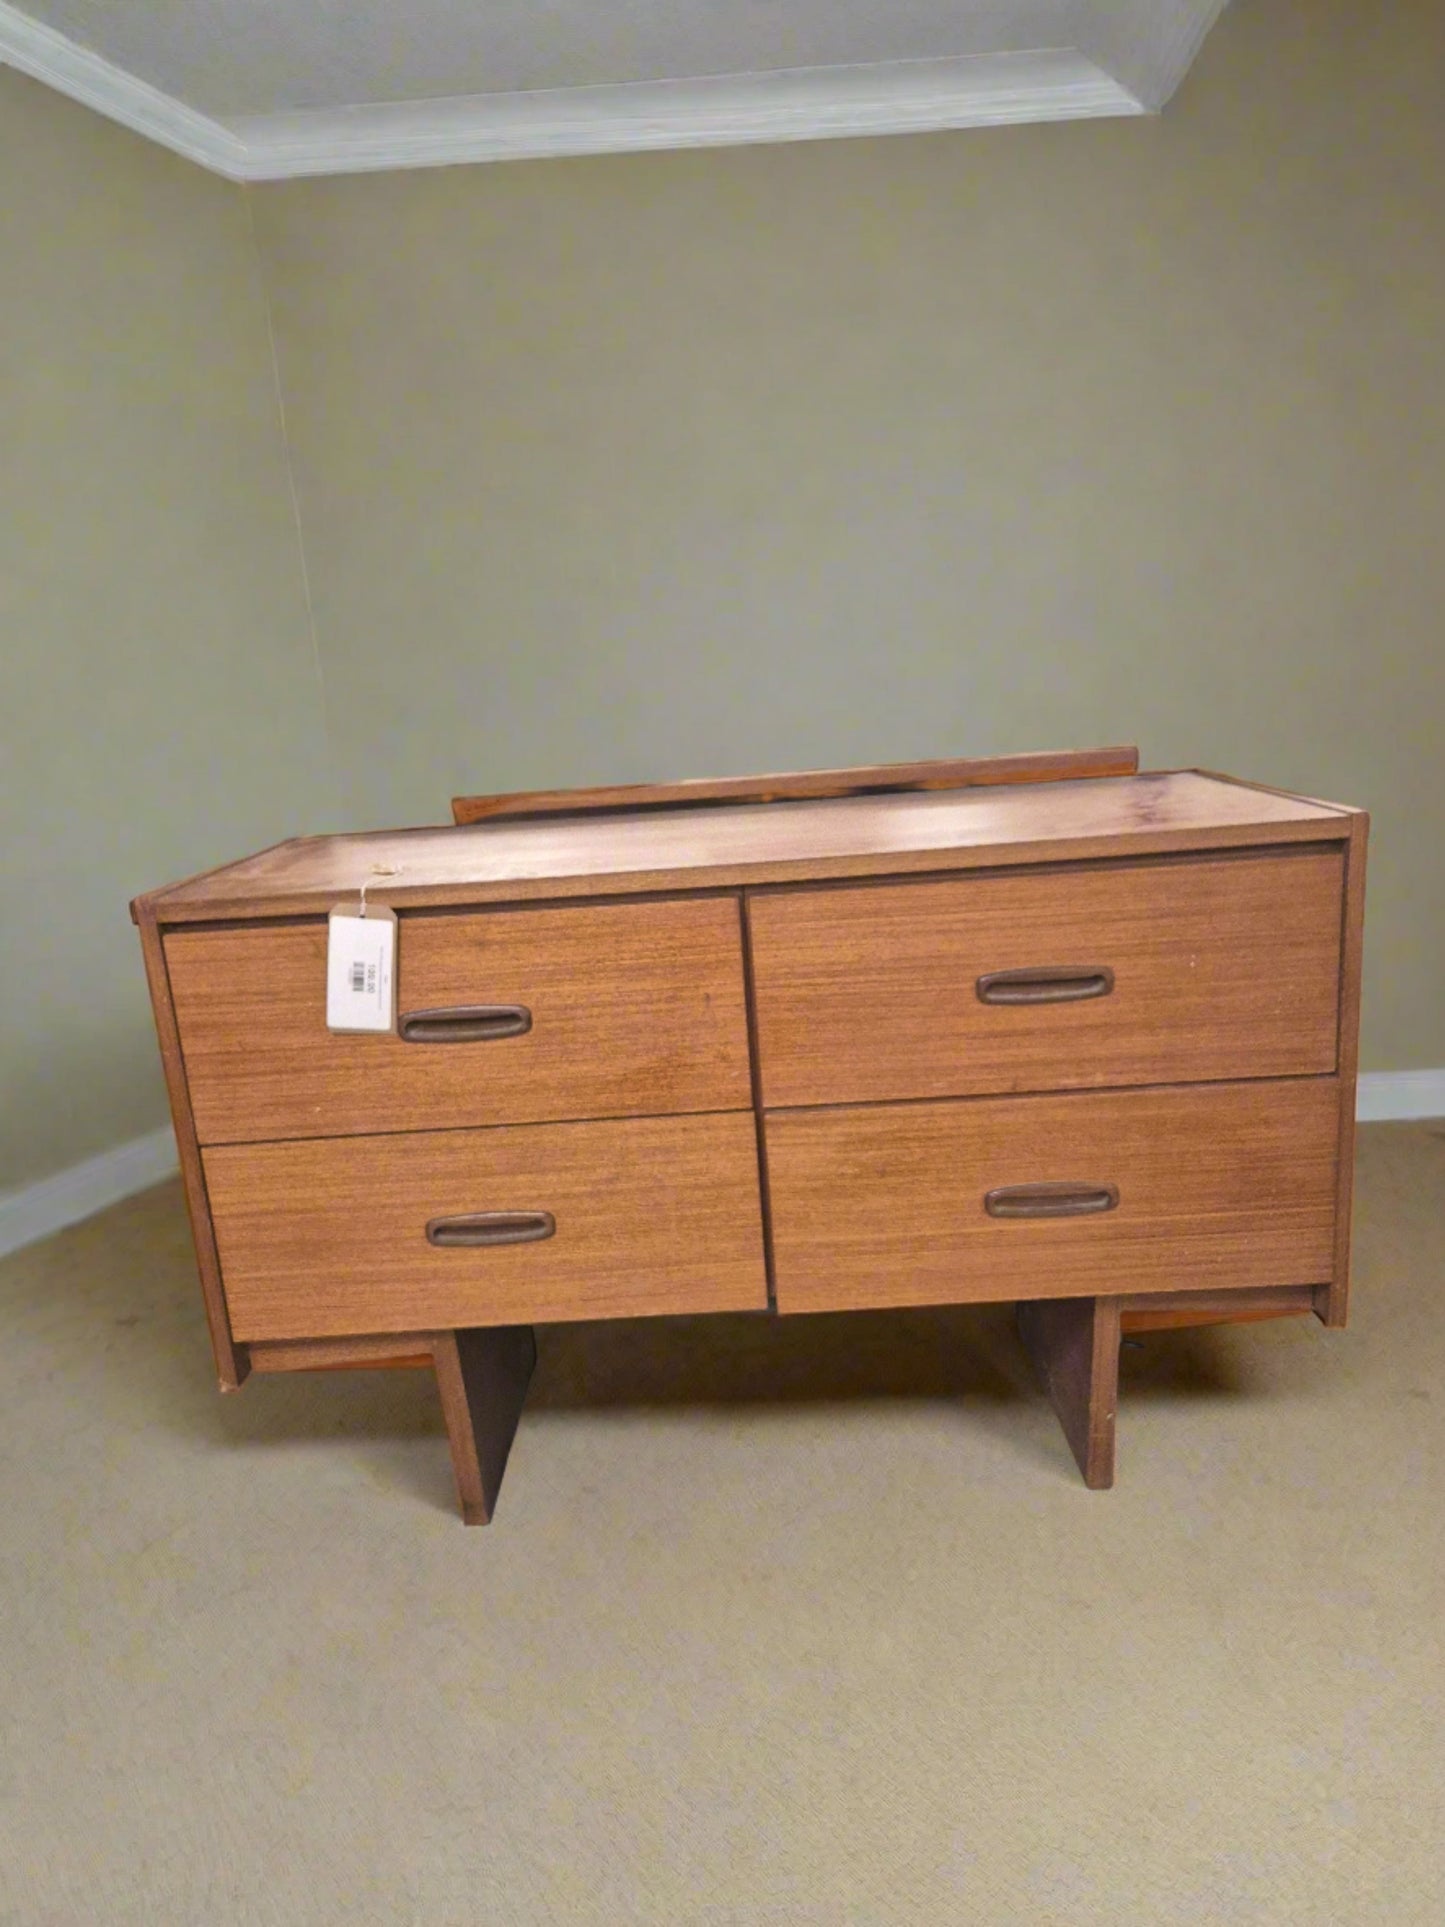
pixel 804 1622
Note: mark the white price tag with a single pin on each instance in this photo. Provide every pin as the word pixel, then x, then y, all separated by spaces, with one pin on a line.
pixel 361 970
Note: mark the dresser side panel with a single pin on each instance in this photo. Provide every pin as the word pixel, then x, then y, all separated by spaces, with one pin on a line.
pixel 1333 1305
pixel 231 1360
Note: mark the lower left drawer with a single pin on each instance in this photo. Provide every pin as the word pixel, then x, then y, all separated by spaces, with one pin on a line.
pixel 522 1224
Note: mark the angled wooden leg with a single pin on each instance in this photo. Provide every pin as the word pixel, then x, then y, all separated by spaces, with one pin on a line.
pixel 482 1377
pixel 1074 1345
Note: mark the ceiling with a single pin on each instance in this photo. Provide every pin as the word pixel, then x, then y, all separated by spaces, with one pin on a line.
pixel 260 88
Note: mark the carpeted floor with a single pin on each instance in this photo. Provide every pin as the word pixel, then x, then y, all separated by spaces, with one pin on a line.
pixel 798 1622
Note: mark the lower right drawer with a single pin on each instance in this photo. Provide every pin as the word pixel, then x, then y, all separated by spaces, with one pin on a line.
pixel 1167 1189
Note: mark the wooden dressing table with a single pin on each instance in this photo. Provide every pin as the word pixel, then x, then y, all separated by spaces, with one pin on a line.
pixel 1038 1029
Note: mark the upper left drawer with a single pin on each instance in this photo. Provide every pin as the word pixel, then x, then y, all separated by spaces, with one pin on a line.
pixel 632 1009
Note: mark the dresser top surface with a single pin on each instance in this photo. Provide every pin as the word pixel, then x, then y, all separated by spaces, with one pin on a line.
pixel 755 844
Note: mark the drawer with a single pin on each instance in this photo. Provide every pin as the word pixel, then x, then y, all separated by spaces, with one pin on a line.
pixel 634 1009
pixel 1167 972
pixel 1210 1186
pixel 642 1215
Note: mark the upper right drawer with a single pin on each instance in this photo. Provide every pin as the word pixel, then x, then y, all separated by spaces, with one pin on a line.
pixel 1157 972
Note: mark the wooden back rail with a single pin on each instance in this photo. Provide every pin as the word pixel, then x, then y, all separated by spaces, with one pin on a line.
pixel 818 785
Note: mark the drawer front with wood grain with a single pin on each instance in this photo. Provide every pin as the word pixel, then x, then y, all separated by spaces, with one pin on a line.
pixel 510 1017
pixel 1131 973
pixel 1149 1190
pixel 519 1225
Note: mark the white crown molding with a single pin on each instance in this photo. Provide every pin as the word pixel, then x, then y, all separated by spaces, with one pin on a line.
pixel 37 1210
pixel 1132 55
pixel 1147 45
pixel 810 103
pixel 84 76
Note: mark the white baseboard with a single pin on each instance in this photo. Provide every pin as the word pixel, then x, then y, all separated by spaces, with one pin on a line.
pixel 36 1210
pixel 1382 1095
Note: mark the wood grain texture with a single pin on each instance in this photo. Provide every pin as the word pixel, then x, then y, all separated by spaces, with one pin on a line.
pixel 1274 789
pixel 482 1377
pixel 757 1095
pixel 1047 766
pixel 636 1009
pixel 231 1360
pixel 1335 1305
pixel 751 844
pixel 140 905
pixel 1182 1318
pixel 362 1353
pixel 1173 1310
pixel 327 1237
pixel 1074 1346
pixel 1222 967
pixel 1219 1185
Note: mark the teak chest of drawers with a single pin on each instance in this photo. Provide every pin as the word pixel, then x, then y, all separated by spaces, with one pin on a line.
pixel 1039 1029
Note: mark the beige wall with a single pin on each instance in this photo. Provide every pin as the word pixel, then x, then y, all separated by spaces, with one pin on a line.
pixel 651 465
pixel 708 462
pixel 159 706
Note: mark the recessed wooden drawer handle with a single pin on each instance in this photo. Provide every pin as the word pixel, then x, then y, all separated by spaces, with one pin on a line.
pixel 470 1229
pixel 465 1024
pixel 1064 1200
pixel 1045 984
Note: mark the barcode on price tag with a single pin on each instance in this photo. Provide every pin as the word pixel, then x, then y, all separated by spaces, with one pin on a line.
pixel 361 969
